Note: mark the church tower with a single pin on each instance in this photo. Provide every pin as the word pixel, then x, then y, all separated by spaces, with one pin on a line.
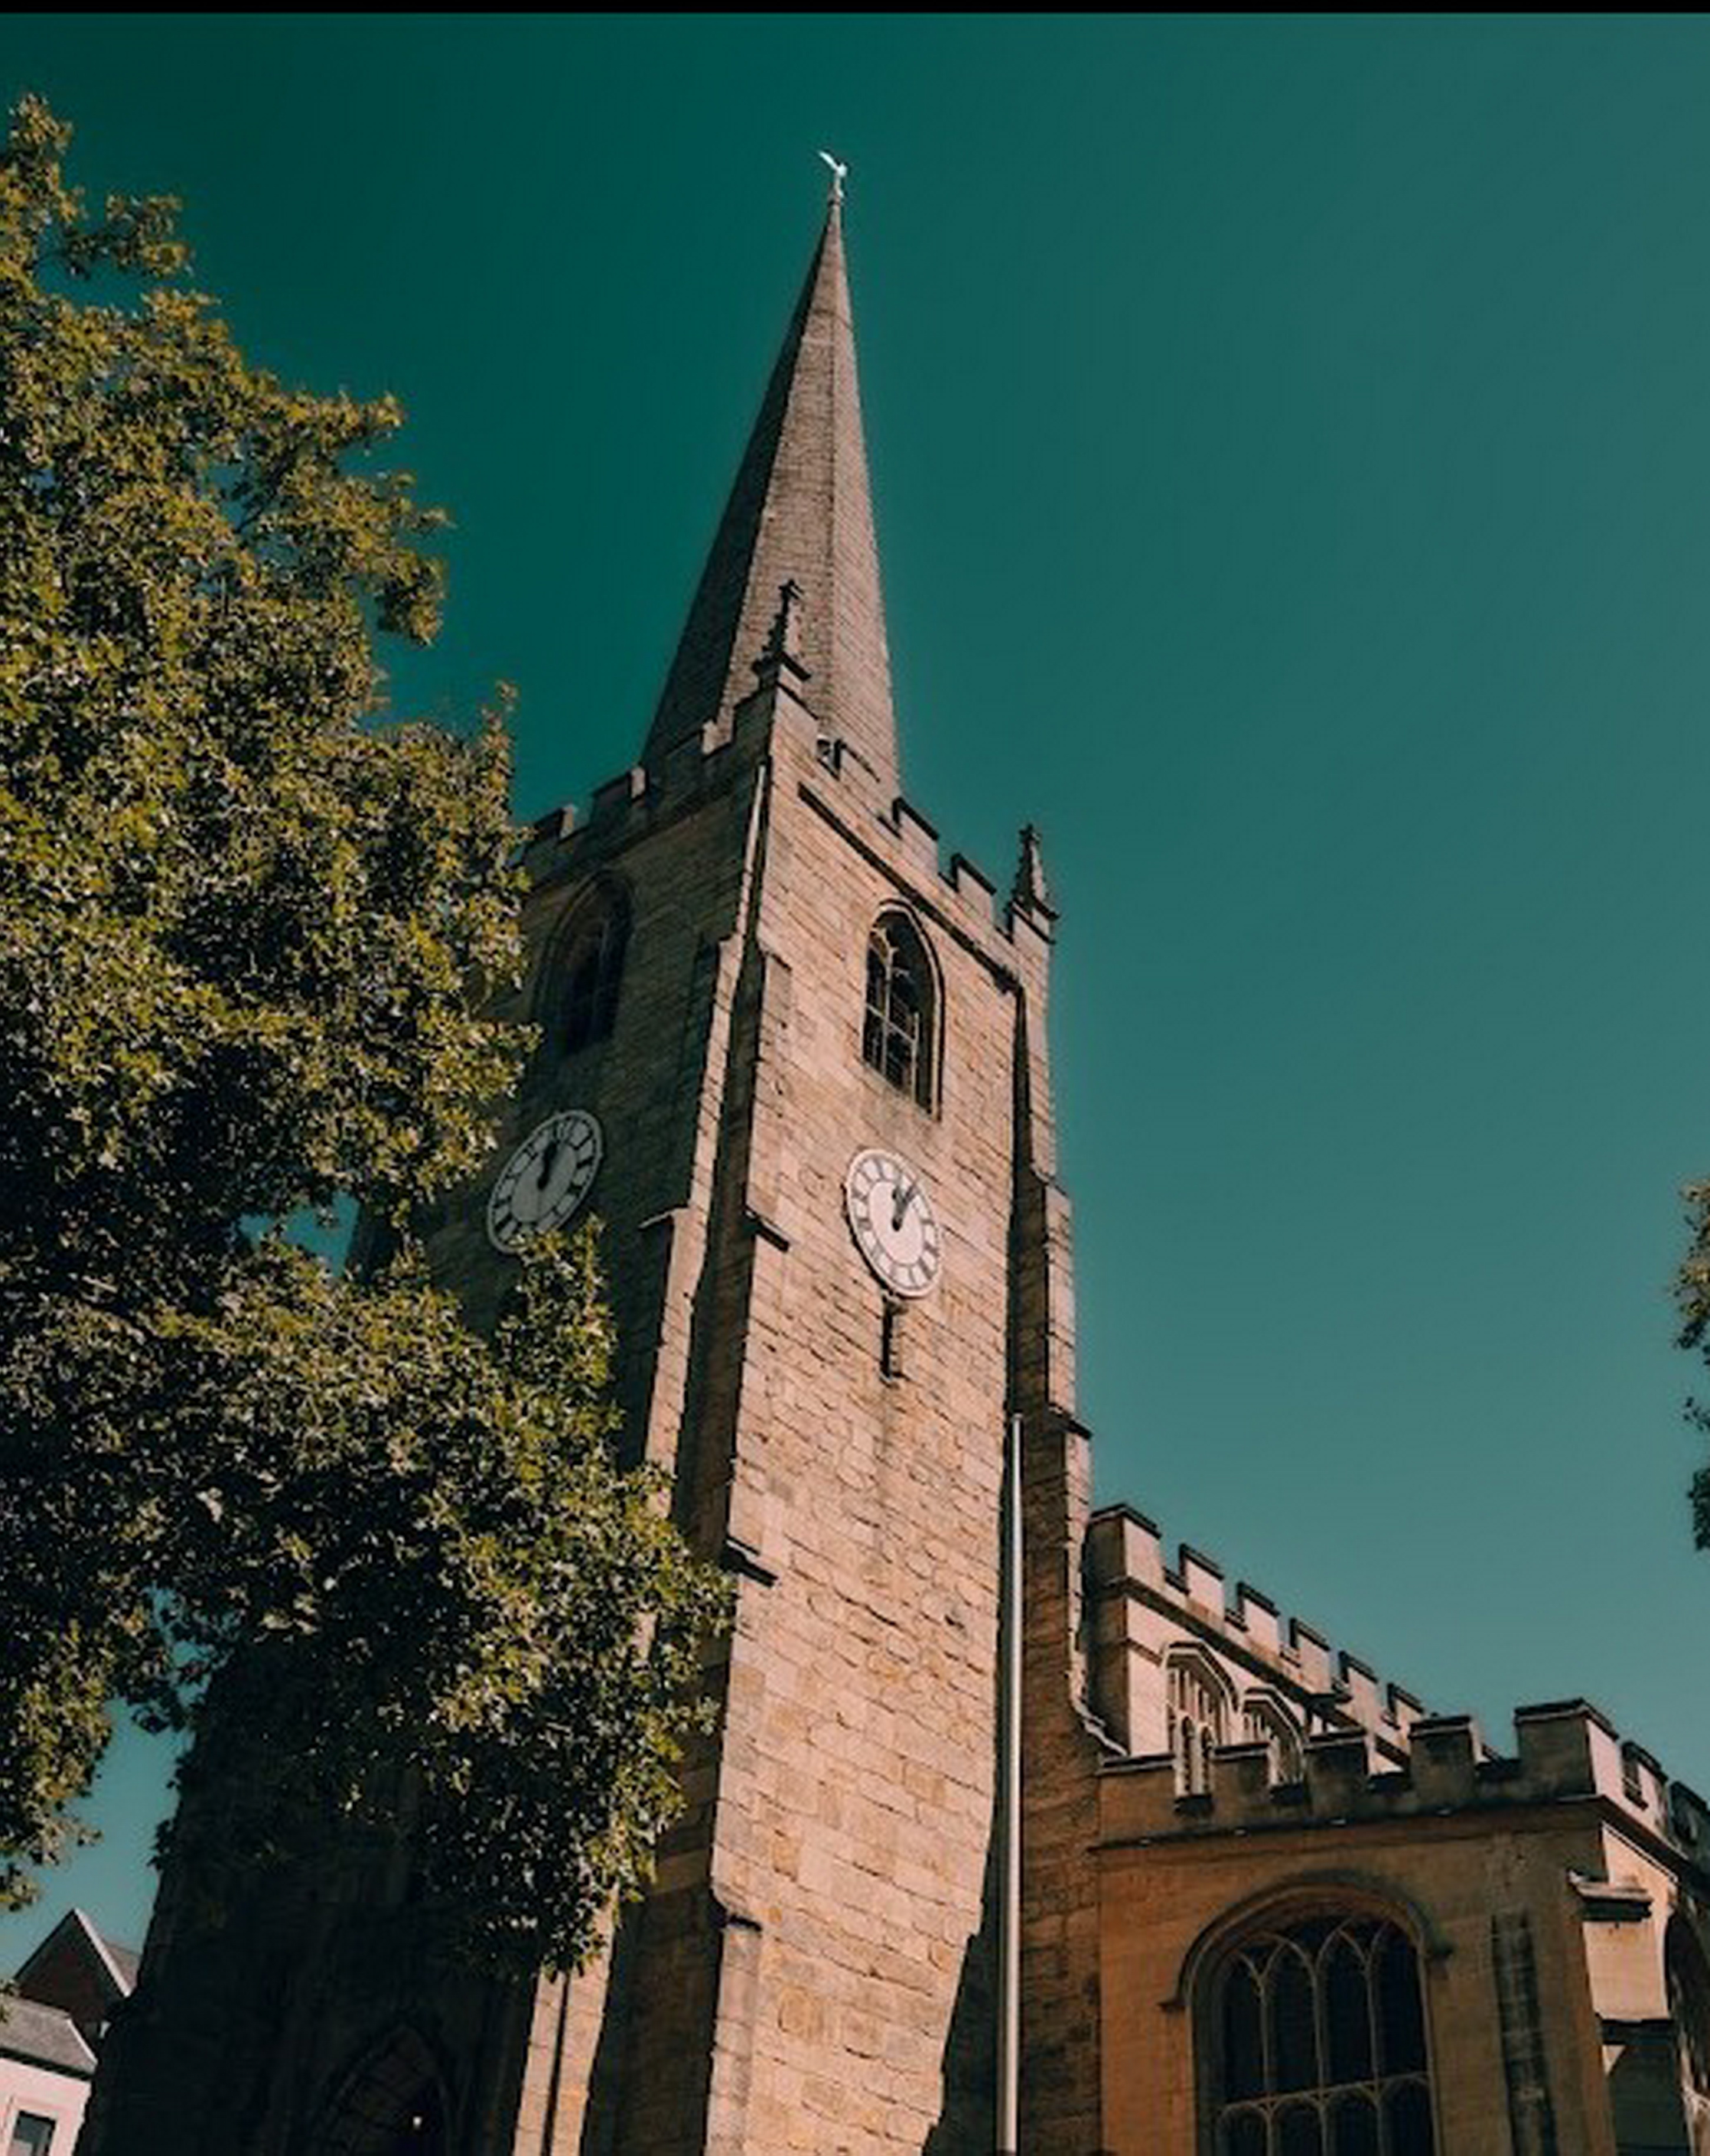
pixel 807 1068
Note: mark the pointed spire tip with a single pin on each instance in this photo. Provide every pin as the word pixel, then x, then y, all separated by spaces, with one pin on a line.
pixel 799 513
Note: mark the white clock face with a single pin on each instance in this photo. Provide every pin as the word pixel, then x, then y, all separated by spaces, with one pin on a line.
pixel 896 1228
pixel 545 1178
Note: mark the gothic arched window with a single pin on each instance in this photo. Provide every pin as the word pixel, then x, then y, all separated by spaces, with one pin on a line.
pixel 1265 1719
pixel 392 2104
pixel 588 969
pixel 899 1024
pixel 1313 2040
pixel 1199 1699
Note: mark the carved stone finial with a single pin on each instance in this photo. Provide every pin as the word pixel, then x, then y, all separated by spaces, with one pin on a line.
pixel 782 648
pixel 1031 894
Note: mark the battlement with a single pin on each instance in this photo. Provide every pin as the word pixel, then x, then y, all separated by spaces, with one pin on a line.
pixel 558 847
pixel 1129 1573
pixel 1566 1752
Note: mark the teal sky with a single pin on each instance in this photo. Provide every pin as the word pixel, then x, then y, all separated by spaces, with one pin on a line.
pixel 1291 446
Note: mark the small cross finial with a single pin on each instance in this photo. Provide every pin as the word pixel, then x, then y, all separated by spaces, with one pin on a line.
pixel 839 173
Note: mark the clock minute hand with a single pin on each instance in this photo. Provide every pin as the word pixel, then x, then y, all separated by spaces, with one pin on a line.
pixel 899 1204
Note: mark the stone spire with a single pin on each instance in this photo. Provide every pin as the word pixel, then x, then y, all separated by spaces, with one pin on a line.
pixel 799 513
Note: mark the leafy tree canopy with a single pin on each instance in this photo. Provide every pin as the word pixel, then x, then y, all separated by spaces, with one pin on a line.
pixel 247 924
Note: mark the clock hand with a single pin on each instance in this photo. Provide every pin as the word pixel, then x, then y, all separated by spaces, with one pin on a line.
pixel 899 1204
pixel 547 1157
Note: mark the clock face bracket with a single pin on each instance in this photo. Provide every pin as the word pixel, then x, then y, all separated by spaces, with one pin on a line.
pixel 543 1184
pixel 892 1219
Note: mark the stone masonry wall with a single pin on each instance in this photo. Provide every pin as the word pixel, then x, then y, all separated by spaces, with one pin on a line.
pixel 818 1948
pixel 856 1781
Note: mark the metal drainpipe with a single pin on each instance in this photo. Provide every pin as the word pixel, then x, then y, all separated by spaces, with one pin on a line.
pixel 1009 1785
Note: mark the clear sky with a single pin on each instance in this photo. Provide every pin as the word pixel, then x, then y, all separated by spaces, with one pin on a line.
pixel 1291 446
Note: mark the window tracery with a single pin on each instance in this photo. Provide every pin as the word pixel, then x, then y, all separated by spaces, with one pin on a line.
pixel 1316 2042
pixel 1265 1719
pixel 899 1021
pixel 589 969
pixel 1199 1698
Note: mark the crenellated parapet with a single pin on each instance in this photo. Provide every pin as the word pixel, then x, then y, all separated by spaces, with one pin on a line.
pixel 1145 1609
pixel 1565 1752
pixel 560 849
pixel 1170 1638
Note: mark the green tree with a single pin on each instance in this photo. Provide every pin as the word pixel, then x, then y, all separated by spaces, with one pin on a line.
pixel 1693 1294
pixel 248 927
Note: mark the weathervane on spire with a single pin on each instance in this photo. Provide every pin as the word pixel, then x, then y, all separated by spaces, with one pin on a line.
pixel 839 173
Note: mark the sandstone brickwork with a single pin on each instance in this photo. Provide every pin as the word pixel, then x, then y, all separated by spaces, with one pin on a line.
pixel 1539 1888
pixel 1545 1892
pixel 813 1969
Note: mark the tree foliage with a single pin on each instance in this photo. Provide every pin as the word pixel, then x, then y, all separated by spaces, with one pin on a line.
pixel 246 926
pixel 1693 1294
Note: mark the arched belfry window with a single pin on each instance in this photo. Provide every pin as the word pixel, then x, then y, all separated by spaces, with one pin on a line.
pixel 1199 1699
pixel 392 2104
pixel 899 1026
pixel 588 969
pixel 1311 2036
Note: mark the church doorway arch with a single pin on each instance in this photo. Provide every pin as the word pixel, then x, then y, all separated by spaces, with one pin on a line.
pixel 392 2103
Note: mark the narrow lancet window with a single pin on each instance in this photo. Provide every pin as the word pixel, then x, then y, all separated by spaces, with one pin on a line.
pixel 590 970
pixel 1265 1720
pixel 1199 1698
pixel 898 1025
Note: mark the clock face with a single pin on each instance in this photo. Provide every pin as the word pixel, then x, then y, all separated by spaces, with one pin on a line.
pixel 545 1178
pixel 894 1227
